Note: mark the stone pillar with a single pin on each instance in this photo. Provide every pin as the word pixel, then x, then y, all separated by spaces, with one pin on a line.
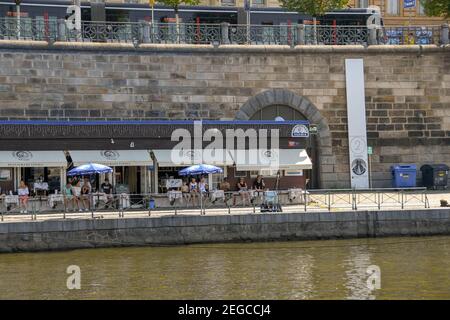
pixel 372 36
pixel 225 39
pixel 146 30
pixel 62 30
pixel 445 34
pixel 301 34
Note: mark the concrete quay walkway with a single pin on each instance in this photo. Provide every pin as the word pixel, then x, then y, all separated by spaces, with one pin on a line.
pixel 318 203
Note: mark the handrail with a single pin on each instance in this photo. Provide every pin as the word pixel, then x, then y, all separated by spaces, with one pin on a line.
pixel 290 200
pixel 217 34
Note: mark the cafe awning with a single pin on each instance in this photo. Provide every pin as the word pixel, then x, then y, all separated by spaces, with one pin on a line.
pixel 112 158
pixel 277 159
pixel 32 159
pixel 187 157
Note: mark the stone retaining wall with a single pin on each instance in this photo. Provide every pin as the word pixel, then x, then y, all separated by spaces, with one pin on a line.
pixel 407 91
pixel 179 230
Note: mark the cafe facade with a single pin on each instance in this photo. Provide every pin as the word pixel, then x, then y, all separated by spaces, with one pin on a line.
pixel 146 156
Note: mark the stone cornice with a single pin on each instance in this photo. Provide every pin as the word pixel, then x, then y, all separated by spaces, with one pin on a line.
pixel 209 49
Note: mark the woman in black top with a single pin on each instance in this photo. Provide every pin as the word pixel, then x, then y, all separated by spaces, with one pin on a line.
pixel 243 190
pixel 259 184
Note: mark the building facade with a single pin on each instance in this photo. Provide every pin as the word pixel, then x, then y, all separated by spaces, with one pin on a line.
pixel 392 10
pixel 407 93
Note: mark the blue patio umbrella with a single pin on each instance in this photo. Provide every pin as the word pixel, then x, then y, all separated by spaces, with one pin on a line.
pixel 89 168
pixel 200 169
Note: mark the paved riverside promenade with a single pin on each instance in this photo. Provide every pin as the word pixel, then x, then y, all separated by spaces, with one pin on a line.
pixel 20 233
pixel 318 203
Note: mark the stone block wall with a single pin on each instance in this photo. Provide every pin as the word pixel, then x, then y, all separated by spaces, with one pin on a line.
pixel 407 92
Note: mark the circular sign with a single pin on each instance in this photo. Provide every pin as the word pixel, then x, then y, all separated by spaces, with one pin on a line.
pixel 359 167
pixel 300 130
pixel 22 155
pixel 358 145
pixel 110 154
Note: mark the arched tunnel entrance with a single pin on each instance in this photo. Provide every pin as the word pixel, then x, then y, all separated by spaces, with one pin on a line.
pixel 274 103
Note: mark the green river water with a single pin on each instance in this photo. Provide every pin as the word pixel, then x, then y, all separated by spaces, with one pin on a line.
pixel 410 268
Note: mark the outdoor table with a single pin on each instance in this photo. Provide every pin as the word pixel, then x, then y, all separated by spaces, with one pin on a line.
pixel 53 199
pixel 217 194
pixel 174 194
pixel 297 193
pixel 124 200
pixel 12 199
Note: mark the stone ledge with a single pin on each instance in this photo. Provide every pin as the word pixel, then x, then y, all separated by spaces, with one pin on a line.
pixel 95 46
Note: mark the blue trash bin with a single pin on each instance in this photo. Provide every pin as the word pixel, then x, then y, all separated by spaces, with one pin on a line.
pixel 404 176
pixel 151 204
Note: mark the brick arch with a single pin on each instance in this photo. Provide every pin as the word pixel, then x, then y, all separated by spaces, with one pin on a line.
pixel 309 110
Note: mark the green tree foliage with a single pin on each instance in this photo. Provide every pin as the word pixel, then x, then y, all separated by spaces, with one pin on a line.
pixel 437 7
pixel 175 4
pixel 314 8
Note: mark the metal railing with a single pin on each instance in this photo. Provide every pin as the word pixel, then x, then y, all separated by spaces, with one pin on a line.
pixel 52 29
pixel 214 202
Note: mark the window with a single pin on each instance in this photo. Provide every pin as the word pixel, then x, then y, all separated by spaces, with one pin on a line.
pixel 216 179
pixel 362 3
pixel 5 174
pixel 240 174
pixel 228 2
pixel 393 7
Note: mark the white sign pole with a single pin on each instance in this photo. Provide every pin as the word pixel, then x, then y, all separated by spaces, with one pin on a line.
pixel 356 115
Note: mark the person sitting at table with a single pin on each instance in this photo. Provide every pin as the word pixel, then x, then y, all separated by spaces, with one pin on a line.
pixel 185 191
pixel 193 190
pixel 243 191
pixel 203 186
pixel 225 187
pixel 68 195
pixel 23 193
pixel 85 199
pixel 259 186
pixel 107 188
pixel 87 183
pixel 77 195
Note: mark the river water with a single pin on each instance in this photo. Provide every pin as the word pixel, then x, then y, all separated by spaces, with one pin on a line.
pixel 409 268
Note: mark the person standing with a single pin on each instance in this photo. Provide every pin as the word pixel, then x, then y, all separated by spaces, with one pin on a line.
pixel 23 193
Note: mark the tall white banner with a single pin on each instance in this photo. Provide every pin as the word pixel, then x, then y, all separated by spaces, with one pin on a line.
pixel 356 115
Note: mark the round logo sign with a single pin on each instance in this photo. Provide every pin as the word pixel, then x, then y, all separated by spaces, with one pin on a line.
pixel 300 130
pixel 359 167
pixel 268 154
pixel 110 154
pixel 358 145
pixel 22 155
pixel 190 154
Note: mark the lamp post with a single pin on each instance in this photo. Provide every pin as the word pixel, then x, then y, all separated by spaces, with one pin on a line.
pixel 18 17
